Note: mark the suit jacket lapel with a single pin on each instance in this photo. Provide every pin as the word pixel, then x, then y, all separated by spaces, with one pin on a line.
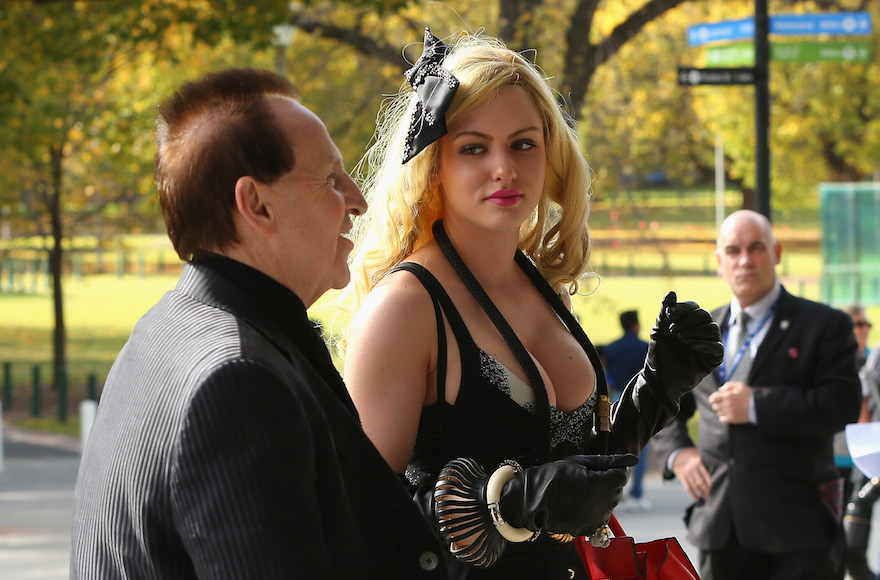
pixel 775 334
pixel 721 316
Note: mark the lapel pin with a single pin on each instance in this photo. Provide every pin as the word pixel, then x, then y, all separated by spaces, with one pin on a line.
pixel 783 325
pixel 793 352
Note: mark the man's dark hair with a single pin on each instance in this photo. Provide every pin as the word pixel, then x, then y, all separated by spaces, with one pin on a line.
pixel 629 319
pixel 210 133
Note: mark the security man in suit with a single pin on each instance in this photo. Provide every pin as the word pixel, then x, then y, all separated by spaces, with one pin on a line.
pixel 768 499
pixel 225 444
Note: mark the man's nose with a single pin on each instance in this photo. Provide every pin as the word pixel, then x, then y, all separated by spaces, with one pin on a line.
pixel 354 199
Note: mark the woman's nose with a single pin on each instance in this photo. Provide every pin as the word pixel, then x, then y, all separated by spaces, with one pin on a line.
pixel 503 170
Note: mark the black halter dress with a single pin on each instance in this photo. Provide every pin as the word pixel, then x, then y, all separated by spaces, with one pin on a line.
pixel 498 416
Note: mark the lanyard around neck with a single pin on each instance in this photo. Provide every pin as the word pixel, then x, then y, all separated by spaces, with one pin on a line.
pixel 722 369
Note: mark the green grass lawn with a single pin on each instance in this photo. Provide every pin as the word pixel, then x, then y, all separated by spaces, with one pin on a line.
pixel 101 310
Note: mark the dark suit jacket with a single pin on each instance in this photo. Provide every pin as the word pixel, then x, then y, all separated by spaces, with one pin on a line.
pixel 624 358
pixel 221 451
pixel 766 478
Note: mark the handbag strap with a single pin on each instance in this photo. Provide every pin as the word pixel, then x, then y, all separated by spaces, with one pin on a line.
pixel 616 527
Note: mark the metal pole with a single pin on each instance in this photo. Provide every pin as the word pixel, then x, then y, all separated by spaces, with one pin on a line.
pixel 762 109
pixel 62 395
pixel 92 389
pixel 7 384
pixel 1 436
pixel 36 405
pixel 87 410
pixel 719 181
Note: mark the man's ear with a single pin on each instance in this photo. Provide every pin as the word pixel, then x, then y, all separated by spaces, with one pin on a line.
pixel 252 204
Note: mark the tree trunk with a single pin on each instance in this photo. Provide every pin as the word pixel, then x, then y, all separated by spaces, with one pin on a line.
pixel 583 57
pixel 515 22
pixel 55 261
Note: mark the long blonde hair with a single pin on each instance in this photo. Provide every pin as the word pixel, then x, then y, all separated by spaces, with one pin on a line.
pixel 404 200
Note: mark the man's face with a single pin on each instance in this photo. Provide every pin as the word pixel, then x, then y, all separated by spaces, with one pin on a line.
pixel 862 328
pixel 747 257
pixel 313 207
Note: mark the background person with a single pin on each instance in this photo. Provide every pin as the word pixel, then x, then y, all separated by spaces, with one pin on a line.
pixel 767 493
pixel 623 360
pixel 868 495
pixel 863 492
pixel 225 444
pixel 464 354
pixel 861 329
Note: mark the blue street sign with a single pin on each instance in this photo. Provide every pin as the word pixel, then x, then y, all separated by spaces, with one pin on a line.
pixel 838 23
pixel 832 23
pixel 701 34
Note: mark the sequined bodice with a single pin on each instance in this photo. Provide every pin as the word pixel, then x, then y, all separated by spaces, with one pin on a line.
pixel 563 426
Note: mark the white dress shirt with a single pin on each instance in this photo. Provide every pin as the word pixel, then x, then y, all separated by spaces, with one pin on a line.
pixel 759 324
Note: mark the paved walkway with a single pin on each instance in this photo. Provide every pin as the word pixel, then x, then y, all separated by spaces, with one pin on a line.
pixel 36 497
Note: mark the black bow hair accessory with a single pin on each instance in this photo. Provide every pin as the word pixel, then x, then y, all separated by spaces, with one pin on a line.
pixel 435 86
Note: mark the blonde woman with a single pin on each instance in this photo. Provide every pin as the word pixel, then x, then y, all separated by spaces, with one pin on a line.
pixel 467 367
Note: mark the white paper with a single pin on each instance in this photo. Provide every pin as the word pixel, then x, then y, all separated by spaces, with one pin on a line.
pixel 863 440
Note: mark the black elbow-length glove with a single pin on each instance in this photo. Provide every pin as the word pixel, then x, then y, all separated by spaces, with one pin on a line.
pixel 685 346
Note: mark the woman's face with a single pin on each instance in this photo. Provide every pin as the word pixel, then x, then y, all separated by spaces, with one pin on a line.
pixel 491 168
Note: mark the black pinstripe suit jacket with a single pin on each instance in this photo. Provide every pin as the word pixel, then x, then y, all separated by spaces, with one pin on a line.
pixel 220 451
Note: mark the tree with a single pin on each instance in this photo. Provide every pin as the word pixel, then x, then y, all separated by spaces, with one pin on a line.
pixel 645 121
pixel 518 23
pixel 75 114
pixel 79 82
pixel 824 120
pixel 52 76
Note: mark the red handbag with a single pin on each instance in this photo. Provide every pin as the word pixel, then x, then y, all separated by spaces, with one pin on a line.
pixel 624 559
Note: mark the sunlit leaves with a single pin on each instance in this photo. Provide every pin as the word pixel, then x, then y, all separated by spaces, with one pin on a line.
pixel 89 74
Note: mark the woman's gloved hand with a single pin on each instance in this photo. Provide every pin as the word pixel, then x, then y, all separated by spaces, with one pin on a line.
pixel 685 346
pixel 575 495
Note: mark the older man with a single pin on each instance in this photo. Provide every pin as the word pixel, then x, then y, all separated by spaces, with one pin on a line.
pixel 226 445
pixel 766 490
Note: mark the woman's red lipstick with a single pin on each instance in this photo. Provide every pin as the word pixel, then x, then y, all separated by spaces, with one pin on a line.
pixel 505 197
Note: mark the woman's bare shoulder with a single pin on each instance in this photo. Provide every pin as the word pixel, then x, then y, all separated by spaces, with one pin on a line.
pixel 398 301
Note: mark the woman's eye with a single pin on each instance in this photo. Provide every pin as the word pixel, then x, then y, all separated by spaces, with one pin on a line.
pixel 524 144
pixel 472 149
pixel 331 180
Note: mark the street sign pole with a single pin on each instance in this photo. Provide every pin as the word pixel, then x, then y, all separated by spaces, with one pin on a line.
pixel 759 27
pixel 762 109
